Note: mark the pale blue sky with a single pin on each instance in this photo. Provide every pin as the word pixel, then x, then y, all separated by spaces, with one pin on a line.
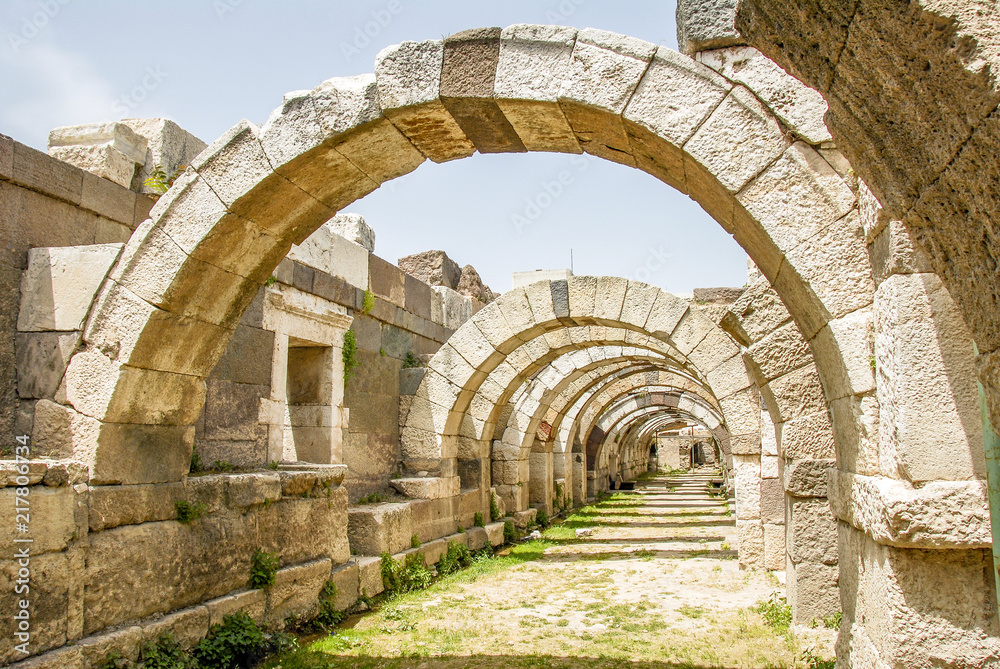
pixel 206 64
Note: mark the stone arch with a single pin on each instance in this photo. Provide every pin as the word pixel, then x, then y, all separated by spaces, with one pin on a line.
pixel 625 409
pixel 168 308
pixel 936 108
pixel 513 443
pixel 480 352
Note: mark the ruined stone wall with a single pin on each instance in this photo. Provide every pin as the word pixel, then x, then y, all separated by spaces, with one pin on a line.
pixel 119 557
pixel 46 203
pixel 406 317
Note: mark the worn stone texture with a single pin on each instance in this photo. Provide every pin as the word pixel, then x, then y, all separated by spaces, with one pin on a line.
pixel 798 106
pixel 432 267
pixel 167 145
pixel 925 370
pixel 409 80
pixel 888 591
pixel 938 514
pixel 379 528
pixel 471 285
pixel 60 284
pixel 706 24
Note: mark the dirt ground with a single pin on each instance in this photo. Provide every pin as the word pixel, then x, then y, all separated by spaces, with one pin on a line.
pixel 656 584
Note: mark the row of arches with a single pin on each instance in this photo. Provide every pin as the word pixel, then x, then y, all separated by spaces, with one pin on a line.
pixel 507 381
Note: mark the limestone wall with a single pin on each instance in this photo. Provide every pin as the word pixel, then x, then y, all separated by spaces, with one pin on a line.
pixel 45 202
pixel 109 561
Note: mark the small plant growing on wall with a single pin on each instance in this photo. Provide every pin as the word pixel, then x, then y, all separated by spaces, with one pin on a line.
pixel 411 361
pixel 263 567
pixel 509 534
pixel 495 514
pixel 455 558
pixel 188 512
pixel 542 518
pixel 477 520
pixel 414 541
pixel 350 355
pixel 160 181
pixel 368 302
pixel 328 616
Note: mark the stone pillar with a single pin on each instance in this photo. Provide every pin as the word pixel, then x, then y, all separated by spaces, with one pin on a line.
pixel 579 485
pixel 749 528
pixel 913 516
pixel 540 482
pixel 772 502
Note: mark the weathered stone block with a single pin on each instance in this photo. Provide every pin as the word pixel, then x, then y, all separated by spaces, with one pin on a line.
pixel 428 488
pixel 409 81
pixel 478 538
pixel 253 602
pixel 806 478
pixel 533 63
pixel 774 547
pixel 772 503
pixel 750 543
pixel 495 533
pixel 296 591
pixel 369 576
pixel 60 284
pixel 50 601
pixel 188 626
pixel 812 531
pixel 706 24
pixel 280 524
pixel 346 579
pixel 380 528
pixel 53 518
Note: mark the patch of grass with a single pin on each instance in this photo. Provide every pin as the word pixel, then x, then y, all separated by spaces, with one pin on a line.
pixel 412 575
pixel 373 498
pixel 833 621
pixel 691 611
pixel 776 612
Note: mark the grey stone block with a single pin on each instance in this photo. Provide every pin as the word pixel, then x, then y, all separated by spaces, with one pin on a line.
pixel 41 361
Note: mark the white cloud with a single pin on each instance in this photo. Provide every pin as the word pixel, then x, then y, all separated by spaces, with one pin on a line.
pixel 47 87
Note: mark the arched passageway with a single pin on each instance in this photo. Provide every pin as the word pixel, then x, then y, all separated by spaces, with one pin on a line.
pixel 169 307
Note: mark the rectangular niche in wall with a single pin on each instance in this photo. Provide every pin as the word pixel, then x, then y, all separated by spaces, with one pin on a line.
pixel 309 395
